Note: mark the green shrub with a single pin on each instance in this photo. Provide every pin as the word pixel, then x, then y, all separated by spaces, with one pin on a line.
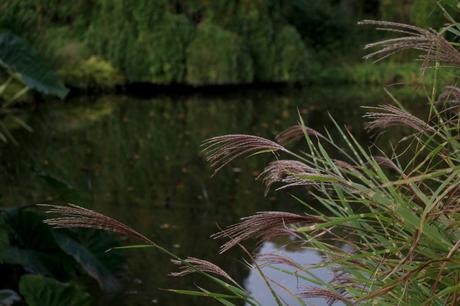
pixel 217 56
pixel 286 41
pixel 150 42
pixel 93 73
pixel 292 60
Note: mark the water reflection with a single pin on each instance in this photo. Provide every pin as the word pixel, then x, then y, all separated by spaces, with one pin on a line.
pixel 302 256
pixel 138 160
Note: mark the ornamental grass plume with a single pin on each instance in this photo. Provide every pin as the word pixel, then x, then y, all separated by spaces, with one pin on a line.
pixel 74 216
pixel 193 265
pixel 385 162
pixel 329 295
pixel 263 225
pixel 277 259
pixel 295 133
pixel 221 150
pixel 285 171
pixel 449 95
pixel 434 47
pixel 385 116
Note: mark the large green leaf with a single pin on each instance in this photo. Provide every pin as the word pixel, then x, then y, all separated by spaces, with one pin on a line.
pixel 31 244
pixel 8 297
pixel 21 222
pixel 59 253
pixel 30 260
pixel 38 290
pixel 89 249
pixel 17 57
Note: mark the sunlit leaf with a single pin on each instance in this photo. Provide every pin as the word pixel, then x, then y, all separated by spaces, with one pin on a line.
pixel 17 57
pixel 90 251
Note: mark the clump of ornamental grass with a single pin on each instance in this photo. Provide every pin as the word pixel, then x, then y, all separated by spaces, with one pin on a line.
pixel 74 216
pixel 388 223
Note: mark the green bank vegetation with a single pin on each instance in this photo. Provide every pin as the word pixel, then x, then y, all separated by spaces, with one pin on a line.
pixel 103 43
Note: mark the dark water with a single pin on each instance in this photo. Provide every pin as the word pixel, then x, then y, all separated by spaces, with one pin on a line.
pixel 138 160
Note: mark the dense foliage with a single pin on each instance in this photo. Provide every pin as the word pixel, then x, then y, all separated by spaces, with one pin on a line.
pixel 200 42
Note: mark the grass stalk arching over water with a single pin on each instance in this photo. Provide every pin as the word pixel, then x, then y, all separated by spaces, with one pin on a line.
pixel 396 212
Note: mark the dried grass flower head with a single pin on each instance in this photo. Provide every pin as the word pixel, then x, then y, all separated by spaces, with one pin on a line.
pixel 263 225
pixel 385 162
pixel 433 45
pixel 278 259
pixel 74 216
pixel 330 295
pixel 291 173
pixel 295 133
pixel 385 116
pixel 193 265
pixel 221 150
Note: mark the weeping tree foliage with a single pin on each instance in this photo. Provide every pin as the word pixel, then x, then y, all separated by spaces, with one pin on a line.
pixel 232 42
pixel 217 56
pixel 270 40
pixel 151 41
pixel 292 56
pixel 259 32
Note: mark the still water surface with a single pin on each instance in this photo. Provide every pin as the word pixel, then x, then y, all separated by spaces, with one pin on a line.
pixel 138 160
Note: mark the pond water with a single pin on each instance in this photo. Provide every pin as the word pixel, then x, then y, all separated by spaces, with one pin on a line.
pixel 138 160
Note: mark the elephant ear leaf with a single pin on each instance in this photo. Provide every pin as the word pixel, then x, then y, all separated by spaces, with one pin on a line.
pixel 39 290
pixel 89 249
pixel 17 57
pixel 8 297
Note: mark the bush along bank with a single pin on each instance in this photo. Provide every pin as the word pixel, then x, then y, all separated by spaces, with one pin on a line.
pixel 101 44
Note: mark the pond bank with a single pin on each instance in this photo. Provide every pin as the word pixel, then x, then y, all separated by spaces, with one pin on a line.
pixel 90 78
